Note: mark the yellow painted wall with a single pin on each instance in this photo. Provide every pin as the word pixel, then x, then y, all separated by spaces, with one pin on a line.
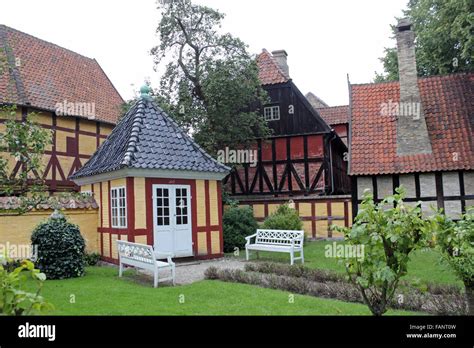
pixel 259 210
pixel 105 204
pixel 87 144
pixel 87 126
pixel 140 205
pixel 201 202
pixel 106 243
pixel 141 239
pixel 213 203
pixel 66 122
pixel 202 243
pixel 337 209
pixel 61 140
pixel 321 209
pixel 114 238
pixel 305 209
pixel 215 242
pixel 97 200
pixel 17 229
pixel 118 182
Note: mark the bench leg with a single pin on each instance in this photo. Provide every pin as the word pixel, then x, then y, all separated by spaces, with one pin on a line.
pixel 120 269
pixel 292 258
pixel 302 255
pixel 173 273
pixel 155 278
pixel 247 254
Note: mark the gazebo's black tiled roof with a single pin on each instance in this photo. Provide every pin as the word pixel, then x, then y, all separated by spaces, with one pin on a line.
pixel 147 138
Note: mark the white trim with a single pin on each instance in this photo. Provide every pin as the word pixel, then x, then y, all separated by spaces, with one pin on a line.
pixel 274 113
pixel 149 173
pixel 118 207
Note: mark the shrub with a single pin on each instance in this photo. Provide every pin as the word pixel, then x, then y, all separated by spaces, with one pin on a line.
pixel 284 218
pixel 455 240
pixel 14 300
pixel 238 223
pixel 60 248
pixel 91 259
pixel 389 231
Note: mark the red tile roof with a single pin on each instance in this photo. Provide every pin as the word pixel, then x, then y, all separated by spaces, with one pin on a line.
pixel 448 105
pixel 334 115
pixel 269 72
pixel 48 74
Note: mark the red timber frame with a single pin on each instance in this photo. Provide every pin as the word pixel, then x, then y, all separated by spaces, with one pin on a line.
pixel 296 165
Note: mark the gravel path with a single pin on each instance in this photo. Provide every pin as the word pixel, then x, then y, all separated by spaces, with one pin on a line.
pixel 190 272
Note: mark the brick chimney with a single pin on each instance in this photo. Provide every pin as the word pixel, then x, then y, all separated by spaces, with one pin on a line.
pixel 281 58
pixel 412 133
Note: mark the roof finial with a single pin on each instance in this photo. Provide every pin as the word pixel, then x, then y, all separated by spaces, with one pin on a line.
pixel 145 92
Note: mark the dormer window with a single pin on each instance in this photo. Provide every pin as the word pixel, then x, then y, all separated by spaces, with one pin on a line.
pixel 271 113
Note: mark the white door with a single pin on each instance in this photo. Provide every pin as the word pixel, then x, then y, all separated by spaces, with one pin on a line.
pixel 172 219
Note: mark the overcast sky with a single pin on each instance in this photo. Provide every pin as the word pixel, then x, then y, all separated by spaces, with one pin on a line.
pixel 324 39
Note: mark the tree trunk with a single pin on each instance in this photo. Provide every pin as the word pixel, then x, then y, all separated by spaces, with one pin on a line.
pixel 470 298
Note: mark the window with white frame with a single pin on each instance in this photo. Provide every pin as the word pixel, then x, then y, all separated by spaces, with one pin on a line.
pixel 118 201
pixel 271 113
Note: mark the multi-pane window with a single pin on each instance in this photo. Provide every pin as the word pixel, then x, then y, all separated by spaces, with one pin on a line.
pixel 181 206
pixel 162 206
pixel 118 207
pixel 271 113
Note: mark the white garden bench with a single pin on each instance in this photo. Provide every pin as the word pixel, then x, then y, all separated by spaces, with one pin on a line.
pixel 143 256
pixel 279 241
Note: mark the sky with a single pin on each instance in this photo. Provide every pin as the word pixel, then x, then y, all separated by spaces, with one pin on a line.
pixel 325 39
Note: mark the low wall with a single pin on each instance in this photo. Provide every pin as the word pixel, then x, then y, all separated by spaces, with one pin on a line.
pixel 318 213
pixel 17 229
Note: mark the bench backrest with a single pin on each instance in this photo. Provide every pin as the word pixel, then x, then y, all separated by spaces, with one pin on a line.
pixel 279 237
pixel 136 254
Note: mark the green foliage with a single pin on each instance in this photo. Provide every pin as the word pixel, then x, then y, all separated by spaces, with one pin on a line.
pixel 455 240
pixel 210 80
pixel 445 40
pixel 389 231
pixel 14 299
pixel 284 218
pixel 91 259
pixel 238 223
pixel 25 143
pixel 60 248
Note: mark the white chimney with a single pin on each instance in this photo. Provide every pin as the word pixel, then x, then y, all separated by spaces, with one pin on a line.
pixel 412 133
pixel 281 58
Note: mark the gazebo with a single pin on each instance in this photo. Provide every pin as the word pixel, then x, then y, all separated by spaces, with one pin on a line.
pixel 154 185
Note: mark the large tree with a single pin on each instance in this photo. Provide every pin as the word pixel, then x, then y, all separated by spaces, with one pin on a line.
pixel 444 38
pixel 210 83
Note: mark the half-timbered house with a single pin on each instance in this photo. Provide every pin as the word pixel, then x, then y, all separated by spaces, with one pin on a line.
pixel 69 93
pixel 416 132
pixel 303 160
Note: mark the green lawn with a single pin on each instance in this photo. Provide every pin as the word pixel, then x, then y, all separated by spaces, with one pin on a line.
pixel 424 265
pixel 101 292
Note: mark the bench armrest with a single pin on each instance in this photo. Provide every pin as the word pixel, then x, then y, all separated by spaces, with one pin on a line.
pixel 164 254
pixel 248 238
